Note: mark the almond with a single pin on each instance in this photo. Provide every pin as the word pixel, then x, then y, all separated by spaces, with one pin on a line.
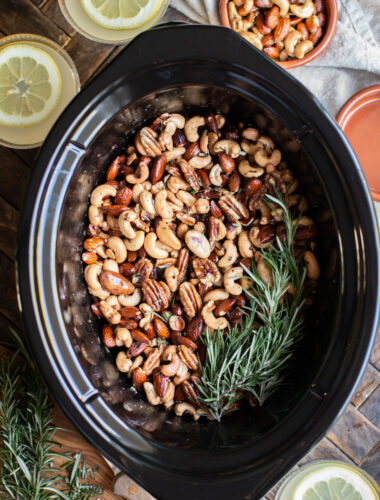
pixel 271 52
pixel 204 180
pixel 136 349
pixel 192 150
pixel 139 336
pixel 224 306
pixel 123 196
pixel 127 269
pixel 116 283
pixel 161 328
pixel 234 182
pixel 108 336
pixel 96 310
pixel 282 29
pixel 212 123
pixel 160 382
pixel 272 17
pixel 158 169
pixel 226 162
pixel 93 243
pixel 138 378
pixel 261 26
pixel 303 30
pixel 114 168
pixel 89 257
pixel 312 24
pixel 130 312
pixel 115 210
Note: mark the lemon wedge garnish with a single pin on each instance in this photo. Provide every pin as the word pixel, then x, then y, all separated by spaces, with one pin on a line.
pixel 30 85
pixel 334 482
pixel 120 14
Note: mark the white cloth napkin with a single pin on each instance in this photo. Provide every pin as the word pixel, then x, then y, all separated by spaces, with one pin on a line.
pixel 350 63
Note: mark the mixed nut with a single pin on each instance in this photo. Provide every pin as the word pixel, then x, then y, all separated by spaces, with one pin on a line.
pixel 179 212
pixel 282 29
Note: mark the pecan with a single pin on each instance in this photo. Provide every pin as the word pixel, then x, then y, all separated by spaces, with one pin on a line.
pixel 91 244
pixel 206 271
pixel 190 299
pixel 215 209
pixel 143 269
pixel 178 339
pixel 136 349
pixel 160 328
pixel 234 182
pixel 189 173
pixel 146 142
pixel 139 336
pixel 182 264
pixel 158 169
pixel 156 294
pixel 186 219
pixel 116 283
pixel 209 194
pixel 188 357
pixel 89 257
pixel 232 207
pixel 114 168
pixel 192 150
pixel 152 361
pixel 173 170
pixel 190 393
pixel 130 312
pixel 212 231
pixel 108 336
pixel 138 378
pixel 161 383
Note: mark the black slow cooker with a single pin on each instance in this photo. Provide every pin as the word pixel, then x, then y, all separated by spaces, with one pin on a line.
pixel 188 69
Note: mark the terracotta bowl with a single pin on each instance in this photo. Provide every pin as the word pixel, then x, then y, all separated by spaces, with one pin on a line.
pixel 329 30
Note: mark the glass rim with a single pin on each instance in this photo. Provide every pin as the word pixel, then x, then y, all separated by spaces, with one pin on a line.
pixel 120 41
pixel 31 37
pixel 326 461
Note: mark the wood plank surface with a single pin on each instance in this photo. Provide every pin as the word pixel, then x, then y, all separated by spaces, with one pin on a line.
pixel 354 438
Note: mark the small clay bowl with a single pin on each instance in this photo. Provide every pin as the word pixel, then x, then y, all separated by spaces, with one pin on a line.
pixel 329 30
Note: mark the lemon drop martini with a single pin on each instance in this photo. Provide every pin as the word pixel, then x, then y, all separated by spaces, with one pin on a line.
pixel 112 21
pixel 329 480
pixel 37 81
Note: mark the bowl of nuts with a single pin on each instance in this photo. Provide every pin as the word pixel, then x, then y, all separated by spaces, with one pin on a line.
pixel 291 33
pixel 190 275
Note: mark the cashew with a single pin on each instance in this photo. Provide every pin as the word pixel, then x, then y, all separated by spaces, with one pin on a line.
pixel 168 398
pixel 171 274
pixel 284 6
pixel 303 11
pixel 101 192
pixel 152 248
pixel 175 203
pixel 168 353
pixel 123 363
pixel 263 160
pixel 109 312
pixel 151 394
pixel 303 48
pixel 140 175
pixel 123 337
pixel 130 300
pixel 136 191
pixel 291 41
pixel 135 243
pixel 265 272
pixel 155 188
pixel 146 201
pixel 253 38
pixel 113 302
pixel 230 256
pixel 91 275
pixel 166 140
pixel 209 318
pixel 162 207
pixel 232 148
pixel 187 198
pixel 229 280
pixel 200 161
pixel 117 246
pixel 100 293
pixel 96 216
pixel 203 143
pixel 221 230
pixel 220 120
pixel 248 171
pixel 181 408
pixel 174 121
pixel 191 128
pixel 124 222
pixel 214 176
pixel 111 265
pixel 138 361
pixel 312 266
pixel 215 295
pixel 168 236
pixel 245 246
pixel 303 221
pixel 200 227
pixel 265 212
pixel 251 134
pixel 171 369
pixel 175 153
pixel 175 183
pixel 148 315
pixel 254 238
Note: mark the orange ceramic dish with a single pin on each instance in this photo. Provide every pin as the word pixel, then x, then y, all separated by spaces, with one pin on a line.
pixel 360 121
pixel 329 30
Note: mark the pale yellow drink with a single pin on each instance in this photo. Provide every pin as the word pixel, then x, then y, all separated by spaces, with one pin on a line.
pixel 317 477
pixel 85 21
pixel 64 87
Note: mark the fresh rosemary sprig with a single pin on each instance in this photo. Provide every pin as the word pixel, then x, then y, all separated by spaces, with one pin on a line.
pixel 29 462
pixel 251 357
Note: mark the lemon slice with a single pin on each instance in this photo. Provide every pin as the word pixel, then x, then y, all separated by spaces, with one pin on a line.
pixel 334 482
pixel 30 85
pixel 121 14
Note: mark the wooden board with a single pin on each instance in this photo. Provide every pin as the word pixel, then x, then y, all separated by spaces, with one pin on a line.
pixel 355 436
